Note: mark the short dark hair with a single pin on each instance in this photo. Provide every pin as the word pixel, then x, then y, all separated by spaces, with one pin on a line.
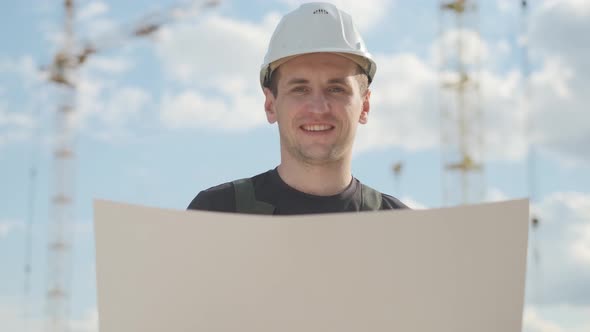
pixel 363 80
pixel 274 82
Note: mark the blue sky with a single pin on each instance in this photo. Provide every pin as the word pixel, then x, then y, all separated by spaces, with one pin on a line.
pixel 159 119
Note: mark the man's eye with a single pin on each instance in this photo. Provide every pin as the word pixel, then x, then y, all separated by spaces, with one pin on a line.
pixel 336 89
pixel 300 89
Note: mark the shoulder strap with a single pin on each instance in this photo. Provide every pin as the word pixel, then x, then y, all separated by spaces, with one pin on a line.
pixel 371 199
pixel 246 199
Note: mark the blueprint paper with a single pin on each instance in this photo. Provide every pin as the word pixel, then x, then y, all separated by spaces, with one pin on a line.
pixel 445 270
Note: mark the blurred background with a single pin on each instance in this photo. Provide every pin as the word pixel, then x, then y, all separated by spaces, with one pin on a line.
pixel 149 103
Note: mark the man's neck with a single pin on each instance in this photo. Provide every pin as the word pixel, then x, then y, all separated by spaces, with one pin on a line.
pixel 321 180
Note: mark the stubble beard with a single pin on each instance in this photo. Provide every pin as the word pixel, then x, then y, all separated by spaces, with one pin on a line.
pixel 314 154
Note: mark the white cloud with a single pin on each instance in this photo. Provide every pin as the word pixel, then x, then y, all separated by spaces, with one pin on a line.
pixel 560 121
pixel 556 319
pixel 408 88
pixel 189 109
pixel 532 322
pixel 103 33
pixel 564 207
pixel 109 65
pixel 556 76
pixel 105 108
pixel 12 120
pixel 13 137
pixel 88 323
pixel 83 229
pixel 506 6
pixel 89 99
pixel 25 67
pixel 214 50
pixel 580 247
pixel 12 316
pixel 474 50
pixel 9 226
pixel 96 27
pixel 124 105
pixel 218 59
pixel 20 117
pixel 14 126
pixel 17 120
pixel 504 122
pixel 406 106
pixel 403 105
pixel 501 48
pixel 577 8
pixel 495 195
pixel 92 9
pixel 561 89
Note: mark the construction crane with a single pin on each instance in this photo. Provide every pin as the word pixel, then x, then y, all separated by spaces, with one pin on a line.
pixel 397 169
pixel 63 72
pixel 535 220
pixel 460 109
pixel 525 107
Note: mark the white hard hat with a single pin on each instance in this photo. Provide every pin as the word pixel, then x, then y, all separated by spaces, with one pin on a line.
pixel 315 27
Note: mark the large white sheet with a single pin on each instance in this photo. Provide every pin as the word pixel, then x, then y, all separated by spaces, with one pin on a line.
pixel 445 270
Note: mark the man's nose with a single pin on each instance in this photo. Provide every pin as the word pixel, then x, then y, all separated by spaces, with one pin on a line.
pixel 318 103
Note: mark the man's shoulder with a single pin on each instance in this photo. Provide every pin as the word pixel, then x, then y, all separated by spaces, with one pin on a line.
pixel 389 203
pixel 219 198
pixel 222 197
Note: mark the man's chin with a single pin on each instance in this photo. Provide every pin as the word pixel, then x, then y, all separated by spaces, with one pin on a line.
pixel 319 157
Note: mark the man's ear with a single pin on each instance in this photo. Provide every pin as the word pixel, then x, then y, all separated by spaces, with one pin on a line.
pixel 366 107
pixel 269 106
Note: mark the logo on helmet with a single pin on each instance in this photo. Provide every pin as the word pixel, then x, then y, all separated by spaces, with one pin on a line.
pixel 320 11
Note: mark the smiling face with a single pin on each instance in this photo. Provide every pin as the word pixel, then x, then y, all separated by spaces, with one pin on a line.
pixel 318 104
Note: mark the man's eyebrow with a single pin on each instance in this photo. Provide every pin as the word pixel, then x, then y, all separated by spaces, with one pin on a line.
pixel 338 81
pixel 297 81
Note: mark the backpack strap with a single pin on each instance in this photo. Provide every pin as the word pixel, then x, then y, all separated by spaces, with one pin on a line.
pixel 246 199
pixel 371 199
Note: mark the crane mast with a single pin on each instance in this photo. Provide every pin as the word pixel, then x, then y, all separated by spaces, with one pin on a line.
pixel 460 106
pixel 63 73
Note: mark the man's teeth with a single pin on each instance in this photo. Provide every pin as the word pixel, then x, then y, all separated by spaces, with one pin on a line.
pixel 317 127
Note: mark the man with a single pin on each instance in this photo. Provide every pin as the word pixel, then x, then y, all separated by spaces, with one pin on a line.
pixel 315 79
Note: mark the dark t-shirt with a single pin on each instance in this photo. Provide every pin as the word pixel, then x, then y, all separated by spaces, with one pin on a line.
pixel 270 188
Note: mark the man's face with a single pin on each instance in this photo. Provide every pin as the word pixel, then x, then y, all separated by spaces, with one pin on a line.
pixel 318 106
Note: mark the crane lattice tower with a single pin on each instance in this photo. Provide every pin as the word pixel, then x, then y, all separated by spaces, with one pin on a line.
pixel 61 219
pixel 460 106
pixel 63 73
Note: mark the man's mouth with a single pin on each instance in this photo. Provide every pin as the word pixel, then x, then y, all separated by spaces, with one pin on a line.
pixel 317 127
